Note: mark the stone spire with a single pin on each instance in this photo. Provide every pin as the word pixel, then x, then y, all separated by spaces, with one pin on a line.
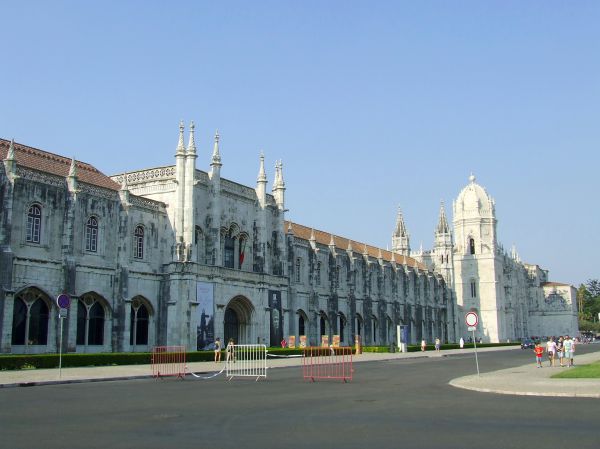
pixel 400 237
pixel 262 176
pixel 10 162
pixel 442 227
pixel 191 148
pixel 72 177
pixel 279 186
pixel 216 156
pixel 180 145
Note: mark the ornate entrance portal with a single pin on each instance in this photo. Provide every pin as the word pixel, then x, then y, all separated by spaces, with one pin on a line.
pixel 238 321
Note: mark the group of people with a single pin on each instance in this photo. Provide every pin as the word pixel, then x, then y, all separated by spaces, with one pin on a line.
pixel 228 350
pixel 563 349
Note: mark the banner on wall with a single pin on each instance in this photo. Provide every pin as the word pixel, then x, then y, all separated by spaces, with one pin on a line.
pixel 205 336
pixel 336 341
pixel 292 342
pixel 276 317
pixel 303 341
pixel 325 341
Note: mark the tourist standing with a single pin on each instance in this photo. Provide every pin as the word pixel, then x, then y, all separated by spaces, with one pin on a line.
pixel 551 350
pixel 568 345
pixel 539 351
pixel 560 350
pixel 229 350
pixel 437 344
pixel 461 343
pixel 423 345
pixel 218 350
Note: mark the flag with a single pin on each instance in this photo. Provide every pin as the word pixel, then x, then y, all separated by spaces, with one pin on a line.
pixel 242 251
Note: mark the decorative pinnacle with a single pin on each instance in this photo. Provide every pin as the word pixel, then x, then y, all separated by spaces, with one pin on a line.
pixel 180 144
pixel 11 151
pixel 472 178
pixel 216 156
pixel 191 149
pixel 73 168
pixel 262 177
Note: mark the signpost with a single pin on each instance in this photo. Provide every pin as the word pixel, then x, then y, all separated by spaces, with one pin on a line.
pixel 63 302
pixel 471 320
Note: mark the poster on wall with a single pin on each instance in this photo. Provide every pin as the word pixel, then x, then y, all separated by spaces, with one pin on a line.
pixel 303 341
pixel 325 341
pixel 336 341
pixel 205 337
pixel 292 342
pixel 276 317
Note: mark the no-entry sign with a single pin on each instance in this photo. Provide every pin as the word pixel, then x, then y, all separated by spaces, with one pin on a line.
pixel 471 319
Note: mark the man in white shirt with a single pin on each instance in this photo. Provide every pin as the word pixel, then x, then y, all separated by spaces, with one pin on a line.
pixel 551 350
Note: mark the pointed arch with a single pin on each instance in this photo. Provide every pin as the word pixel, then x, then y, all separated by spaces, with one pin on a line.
pixel 31 313
pixel 141 314
pixel 239 313
pixel 93 313
pixel 302 322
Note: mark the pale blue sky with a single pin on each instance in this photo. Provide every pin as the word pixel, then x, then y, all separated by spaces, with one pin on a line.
pixel 371 105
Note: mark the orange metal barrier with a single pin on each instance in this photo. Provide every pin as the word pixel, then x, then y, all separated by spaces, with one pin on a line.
pixel 168 361
pixel 327 363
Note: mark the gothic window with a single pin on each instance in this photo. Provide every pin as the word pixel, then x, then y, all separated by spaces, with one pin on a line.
pixel 471 246
pixel 318 274
pixel 91 235
pixel 323 325
pixel 30 319
pixel 138 242
pixel 228 249
pixel 297 273
pixel 473 289
pixel 138 323
pixel 301 323
pixel 90 321
pixel 359 323
pixel 34 224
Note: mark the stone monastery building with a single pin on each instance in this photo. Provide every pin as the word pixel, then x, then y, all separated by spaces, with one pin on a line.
pixel 175 255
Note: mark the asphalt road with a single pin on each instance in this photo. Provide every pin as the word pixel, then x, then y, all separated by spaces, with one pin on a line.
pixel 392 404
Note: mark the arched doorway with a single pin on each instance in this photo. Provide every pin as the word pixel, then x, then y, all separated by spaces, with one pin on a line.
pixel 237 321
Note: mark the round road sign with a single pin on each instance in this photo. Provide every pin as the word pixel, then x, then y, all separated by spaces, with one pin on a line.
pixel 63 301
pixel 471 319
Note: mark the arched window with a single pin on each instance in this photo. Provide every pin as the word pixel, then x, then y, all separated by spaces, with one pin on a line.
pixel 473 289
pixel 138 242
pixel 228 250
pixel 322 325
pixel 359 323
pixel 301 324
pixel 471 246
pixel 30 319
pixel 139 323
pixel 34 224
pixel 91 235
pixel 90 321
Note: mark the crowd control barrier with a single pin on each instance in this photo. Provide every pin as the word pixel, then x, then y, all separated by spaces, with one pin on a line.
pixel 168 361
pixel 327 363
pixel 246 361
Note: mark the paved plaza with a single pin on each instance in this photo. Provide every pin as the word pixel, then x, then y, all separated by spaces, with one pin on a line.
pixel 394 400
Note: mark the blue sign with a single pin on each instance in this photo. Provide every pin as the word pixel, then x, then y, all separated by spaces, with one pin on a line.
pixel 63 301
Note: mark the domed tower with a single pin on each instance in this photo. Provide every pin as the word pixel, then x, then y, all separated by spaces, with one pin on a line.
pixel 477 261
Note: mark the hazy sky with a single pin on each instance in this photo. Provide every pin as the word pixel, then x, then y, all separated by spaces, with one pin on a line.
pixel 371 105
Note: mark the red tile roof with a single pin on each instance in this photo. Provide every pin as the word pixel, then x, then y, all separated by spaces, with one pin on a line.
pixel 46 162
pixel 341 243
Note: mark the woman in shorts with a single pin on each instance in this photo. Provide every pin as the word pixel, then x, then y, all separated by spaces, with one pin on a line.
pixel 560 350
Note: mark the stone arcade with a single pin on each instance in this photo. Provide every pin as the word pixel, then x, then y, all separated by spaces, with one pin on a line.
pixel 175 255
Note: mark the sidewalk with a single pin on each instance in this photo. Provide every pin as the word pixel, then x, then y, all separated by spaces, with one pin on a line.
pixel 524 380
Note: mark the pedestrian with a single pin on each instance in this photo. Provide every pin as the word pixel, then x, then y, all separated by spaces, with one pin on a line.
pixel 230 350
pixel 539 351
pixel 568 345
pixel 218 350
pixel 560 350
pixel 461 343
pixel 574 344
pixel 437 344
pixel 551 350
pixel 423 345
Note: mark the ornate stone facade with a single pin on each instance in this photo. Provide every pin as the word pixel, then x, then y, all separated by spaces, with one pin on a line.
pixel 177 256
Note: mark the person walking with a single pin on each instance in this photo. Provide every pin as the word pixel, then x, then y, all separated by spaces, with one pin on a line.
pixel 551 350
pixel 218 350
pixel 560 350
pixel 437 344
pixel 539 351
pixel 423 345
pixel 568 345
pixel 461 343
pixel 230 350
